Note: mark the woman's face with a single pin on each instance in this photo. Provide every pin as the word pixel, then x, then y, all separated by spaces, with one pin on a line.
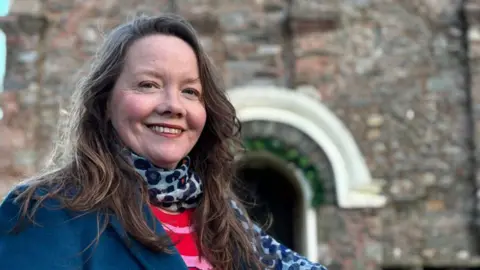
pixel 156 105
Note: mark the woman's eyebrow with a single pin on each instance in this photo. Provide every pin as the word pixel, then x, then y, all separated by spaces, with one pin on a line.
pixel 191 80
pixel 151 72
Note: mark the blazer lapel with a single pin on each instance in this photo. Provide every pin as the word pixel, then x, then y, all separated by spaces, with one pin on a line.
pixel 149 260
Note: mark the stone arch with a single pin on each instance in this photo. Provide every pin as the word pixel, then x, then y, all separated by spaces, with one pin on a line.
pixel 298 152
pixel 353 182
pixel 278 113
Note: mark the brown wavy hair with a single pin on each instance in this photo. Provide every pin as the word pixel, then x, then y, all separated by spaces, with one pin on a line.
pixel 86 156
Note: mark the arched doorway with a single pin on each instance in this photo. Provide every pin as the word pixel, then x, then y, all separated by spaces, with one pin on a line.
pixel 316 152
pixel 353 184
pixel 276 199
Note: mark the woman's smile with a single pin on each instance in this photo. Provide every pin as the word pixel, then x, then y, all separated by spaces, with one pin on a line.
pixel 165 130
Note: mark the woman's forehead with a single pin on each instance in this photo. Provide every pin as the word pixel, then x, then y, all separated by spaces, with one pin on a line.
pixel 159 56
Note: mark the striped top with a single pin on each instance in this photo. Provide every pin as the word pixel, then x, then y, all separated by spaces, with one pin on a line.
pixel 178 227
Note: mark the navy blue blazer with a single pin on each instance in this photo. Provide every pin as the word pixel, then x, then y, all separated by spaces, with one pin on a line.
pixel 61 240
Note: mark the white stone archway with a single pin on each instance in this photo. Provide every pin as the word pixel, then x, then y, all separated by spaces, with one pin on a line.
pixel 353 182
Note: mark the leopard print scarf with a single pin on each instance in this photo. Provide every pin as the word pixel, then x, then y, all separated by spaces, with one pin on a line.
pixel 179 189
pixel 173 190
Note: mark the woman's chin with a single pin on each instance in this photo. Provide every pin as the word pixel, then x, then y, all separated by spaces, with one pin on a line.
pixel 167 162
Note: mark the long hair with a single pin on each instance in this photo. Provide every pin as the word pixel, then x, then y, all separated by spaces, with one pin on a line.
pixel 87 159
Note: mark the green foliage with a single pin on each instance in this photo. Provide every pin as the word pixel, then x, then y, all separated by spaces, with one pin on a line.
pixel 290 155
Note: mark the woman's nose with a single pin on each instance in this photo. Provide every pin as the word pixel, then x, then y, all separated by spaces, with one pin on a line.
pixel 171 105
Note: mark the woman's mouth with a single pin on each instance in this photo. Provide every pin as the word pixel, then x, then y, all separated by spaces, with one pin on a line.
pixel 165 131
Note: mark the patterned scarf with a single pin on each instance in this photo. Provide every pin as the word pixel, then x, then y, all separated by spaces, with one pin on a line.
pixel 173 190
pixel 179 189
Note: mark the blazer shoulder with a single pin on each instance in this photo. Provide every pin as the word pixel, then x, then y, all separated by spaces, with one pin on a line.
pixel 48 212
pixel 51 226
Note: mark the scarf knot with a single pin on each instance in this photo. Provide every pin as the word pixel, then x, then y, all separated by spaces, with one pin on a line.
pixel 173 190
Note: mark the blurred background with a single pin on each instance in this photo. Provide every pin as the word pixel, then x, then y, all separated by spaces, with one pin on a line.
pixel 359 116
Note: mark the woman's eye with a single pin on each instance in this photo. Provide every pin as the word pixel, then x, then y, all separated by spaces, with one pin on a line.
pixel 146 85
pixel 191 91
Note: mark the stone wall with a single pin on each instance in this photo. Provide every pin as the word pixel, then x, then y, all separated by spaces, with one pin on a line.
pixel 473 16
pixel 391 70
pixel 18 127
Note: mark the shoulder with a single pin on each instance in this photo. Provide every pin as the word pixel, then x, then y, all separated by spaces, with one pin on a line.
pixel 43 215
pixel 48 212
pixel 50 226
pixel 47 219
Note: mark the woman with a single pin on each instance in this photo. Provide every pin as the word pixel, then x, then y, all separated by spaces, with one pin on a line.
pixel 142 178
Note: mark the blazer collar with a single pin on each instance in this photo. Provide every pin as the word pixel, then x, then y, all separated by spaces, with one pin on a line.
pixel 149 260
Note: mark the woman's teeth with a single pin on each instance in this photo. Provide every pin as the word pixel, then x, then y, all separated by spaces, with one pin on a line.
pixel 165 130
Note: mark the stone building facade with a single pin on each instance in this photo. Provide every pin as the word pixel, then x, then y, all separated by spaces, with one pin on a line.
pixel 365 111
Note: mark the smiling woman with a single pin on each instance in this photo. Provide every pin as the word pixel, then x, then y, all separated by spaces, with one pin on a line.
pixel 144 176
pixel 157 101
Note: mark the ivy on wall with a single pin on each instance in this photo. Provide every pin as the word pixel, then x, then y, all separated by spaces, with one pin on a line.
pixel 290 155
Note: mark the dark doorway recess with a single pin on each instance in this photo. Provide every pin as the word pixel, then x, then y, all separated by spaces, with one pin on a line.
pixel 274 196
